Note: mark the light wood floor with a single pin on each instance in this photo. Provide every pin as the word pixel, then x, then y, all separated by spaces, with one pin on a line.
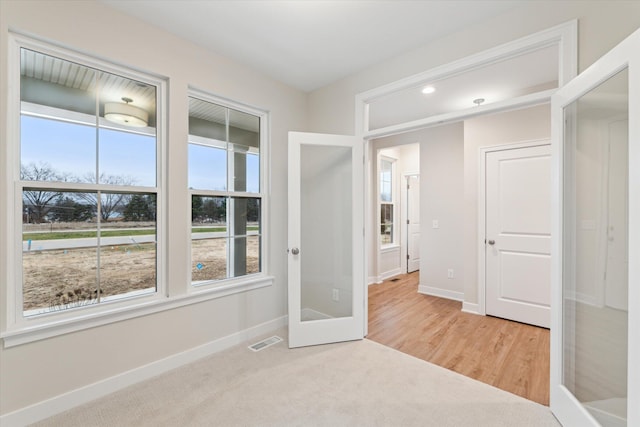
pixel 508 355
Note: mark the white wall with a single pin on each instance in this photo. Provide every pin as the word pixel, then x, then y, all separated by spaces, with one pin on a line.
pixel 496 129
pixel 43 369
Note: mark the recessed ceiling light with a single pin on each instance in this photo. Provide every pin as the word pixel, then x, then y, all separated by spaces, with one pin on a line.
pixel 428 89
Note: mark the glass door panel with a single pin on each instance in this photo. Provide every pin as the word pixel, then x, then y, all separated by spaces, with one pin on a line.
pixel 326 226
pixel 326 239
pixel 596 261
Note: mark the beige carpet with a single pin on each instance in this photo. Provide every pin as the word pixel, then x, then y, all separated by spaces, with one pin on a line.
pixel 358 383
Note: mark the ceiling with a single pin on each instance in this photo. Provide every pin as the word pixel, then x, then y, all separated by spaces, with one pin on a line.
pixel 309 44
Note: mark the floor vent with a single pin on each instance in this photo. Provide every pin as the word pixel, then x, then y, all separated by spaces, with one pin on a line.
pixel 267 342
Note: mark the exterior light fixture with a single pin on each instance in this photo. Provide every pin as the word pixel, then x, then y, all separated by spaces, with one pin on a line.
pixel 428 89
pixel 126 114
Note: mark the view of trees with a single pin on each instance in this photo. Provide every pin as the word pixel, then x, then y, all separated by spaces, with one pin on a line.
pixel 45 205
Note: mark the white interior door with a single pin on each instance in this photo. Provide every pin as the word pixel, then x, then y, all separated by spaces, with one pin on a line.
pixel 413 223
pixel 595 332
pixel 326 239
pixel 518 234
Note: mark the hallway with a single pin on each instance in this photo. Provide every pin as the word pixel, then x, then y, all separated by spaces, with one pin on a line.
pixel 509 355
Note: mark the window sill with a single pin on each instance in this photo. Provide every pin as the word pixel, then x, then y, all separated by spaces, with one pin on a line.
pixel 84 321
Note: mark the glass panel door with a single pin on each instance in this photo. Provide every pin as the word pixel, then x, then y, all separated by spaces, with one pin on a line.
pixel 326 248
pixel 595 285
pixel 595 328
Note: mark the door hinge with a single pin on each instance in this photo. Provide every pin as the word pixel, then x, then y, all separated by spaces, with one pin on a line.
pixel 408 257
pixel 408 222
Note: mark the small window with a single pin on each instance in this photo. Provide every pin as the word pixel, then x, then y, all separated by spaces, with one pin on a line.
pixel 88 152
pixel 387 206
pixel 225 186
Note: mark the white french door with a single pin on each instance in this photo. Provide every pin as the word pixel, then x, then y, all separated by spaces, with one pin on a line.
pixel 326 239
pixel 595 329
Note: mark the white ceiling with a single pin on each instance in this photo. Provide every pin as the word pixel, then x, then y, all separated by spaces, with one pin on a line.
pixel 308 44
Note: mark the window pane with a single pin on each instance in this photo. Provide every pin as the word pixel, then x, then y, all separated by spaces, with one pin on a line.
pixel 127 158
pixel 386 223
pixel 244 136
pixel 246 255
pixel 246 216
pixel 128 247
pixel 59 250
pixel 62 247
pixel 208 259
pixel 53 150
pixel 253 173
pixel 209 238
pixel 207 167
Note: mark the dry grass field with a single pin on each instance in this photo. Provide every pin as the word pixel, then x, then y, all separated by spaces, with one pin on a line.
pixel 58 279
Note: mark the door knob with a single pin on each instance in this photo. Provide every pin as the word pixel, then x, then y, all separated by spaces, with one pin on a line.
pixel 491 242
pixel 295 251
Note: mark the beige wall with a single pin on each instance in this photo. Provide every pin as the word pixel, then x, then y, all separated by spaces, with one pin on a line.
pixel 43 369
pixel 441 167
pixel 602 25
pixel 441 199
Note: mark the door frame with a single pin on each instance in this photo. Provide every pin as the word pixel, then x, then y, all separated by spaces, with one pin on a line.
pixel 564 35
pixel 482 208
pixel 404 217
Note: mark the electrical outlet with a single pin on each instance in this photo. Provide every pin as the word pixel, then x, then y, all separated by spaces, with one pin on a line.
pixel 435 224
pixel 335 295
pixel 450 273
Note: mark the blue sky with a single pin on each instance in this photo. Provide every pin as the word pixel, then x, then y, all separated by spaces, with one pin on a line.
pixel 71 149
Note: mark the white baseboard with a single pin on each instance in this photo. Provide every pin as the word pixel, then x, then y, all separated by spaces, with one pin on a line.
pixel 388 274
pixel 374 280
pixel 442 293
pixel 66 401
pixel 470 307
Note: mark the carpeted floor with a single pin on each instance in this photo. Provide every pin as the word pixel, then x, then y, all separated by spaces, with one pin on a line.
pixel 359 383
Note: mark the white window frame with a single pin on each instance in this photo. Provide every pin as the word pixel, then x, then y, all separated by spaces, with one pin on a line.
pixel 392 202
pixel 19 329
pixel 261 278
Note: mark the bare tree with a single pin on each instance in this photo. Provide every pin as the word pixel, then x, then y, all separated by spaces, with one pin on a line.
pixel 38 202
pixel 110 203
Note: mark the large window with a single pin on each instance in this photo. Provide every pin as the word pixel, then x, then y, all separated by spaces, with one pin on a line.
pixel 387 206
pixel 225 188
pixel 87 190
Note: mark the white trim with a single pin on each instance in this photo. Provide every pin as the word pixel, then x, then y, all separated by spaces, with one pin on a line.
pixel 471 308
pixel 114 314
pixel 482 206
pixel 79 396
pixel 442 293
pixel 511 104
pixel 564 35
pixel 388 274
